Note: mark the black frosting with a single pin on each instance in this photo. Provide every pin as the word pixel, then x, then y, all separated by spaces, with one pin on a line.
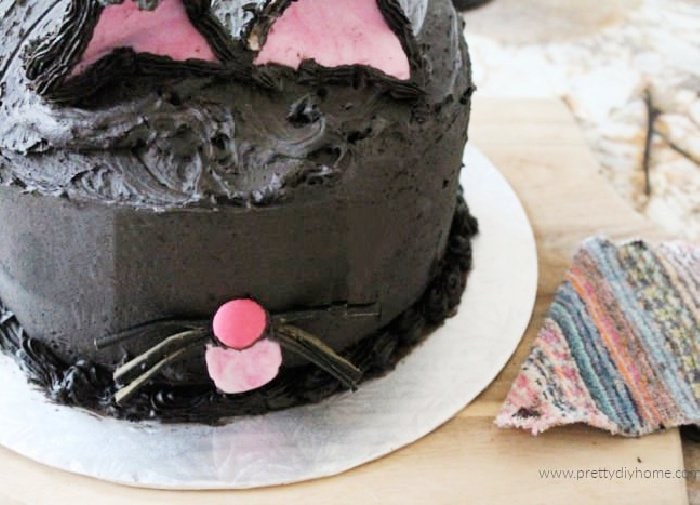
pixel 166 194
pixel 88 385
pixel 163 141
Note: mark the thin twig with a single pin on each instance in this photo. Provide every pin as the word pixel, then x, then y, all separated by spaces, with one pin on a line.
pixel 679 149
pixel 652 114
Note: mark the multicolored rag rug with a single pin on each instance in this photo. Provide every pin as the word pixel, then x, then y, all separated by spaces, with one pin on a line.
pixel 620 346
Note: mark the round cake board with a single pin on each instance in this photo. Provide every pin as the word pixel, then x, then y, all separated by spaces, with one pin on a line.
pixel 437 380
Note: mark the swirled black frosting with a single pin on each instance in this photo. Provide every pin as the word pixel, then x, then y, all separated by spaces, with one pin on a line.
pixel 225 137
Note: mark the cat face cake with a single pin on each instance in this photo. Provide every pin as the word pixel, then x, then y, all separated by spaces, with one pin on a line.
pixel 218 208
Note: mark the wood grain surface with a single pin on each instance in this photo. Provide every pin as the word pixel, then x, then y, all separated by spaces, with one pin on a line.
pixel 538 147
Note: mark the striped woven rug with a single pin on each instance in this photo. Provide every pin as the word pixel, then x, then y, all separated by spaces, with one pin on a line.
pixel 620 346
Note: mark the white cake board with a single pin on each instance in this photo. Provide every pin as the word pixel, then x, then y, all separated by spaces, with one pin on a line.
pixel 430 386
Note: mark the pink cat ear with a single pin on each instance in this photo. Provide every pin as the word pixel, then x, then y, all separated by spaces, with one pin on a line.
pixel 165 31
pixel 235 371
pixel 335 33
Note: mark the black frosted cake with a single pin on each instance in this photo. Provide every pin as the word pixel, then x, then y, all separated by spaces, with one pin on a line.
pixel 210 209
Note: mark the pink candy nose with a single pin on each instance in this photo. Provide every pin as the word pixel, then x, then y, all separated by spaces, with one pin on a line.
pixel 239 323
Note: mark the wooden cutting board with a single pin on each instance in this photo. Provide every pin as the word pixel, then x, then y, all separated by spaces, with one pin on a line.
pixel 538 147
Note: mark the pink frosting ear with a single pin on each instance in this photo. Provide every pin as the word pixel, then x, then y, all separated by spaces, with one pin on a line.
pixel 166 31
pixel 335 33
pixel 236 371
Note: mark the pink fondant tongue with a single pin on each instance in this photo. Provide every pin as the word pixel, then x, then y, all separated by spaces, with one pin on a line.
pixel 335 33
pixel 166 31
pixel 235 371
